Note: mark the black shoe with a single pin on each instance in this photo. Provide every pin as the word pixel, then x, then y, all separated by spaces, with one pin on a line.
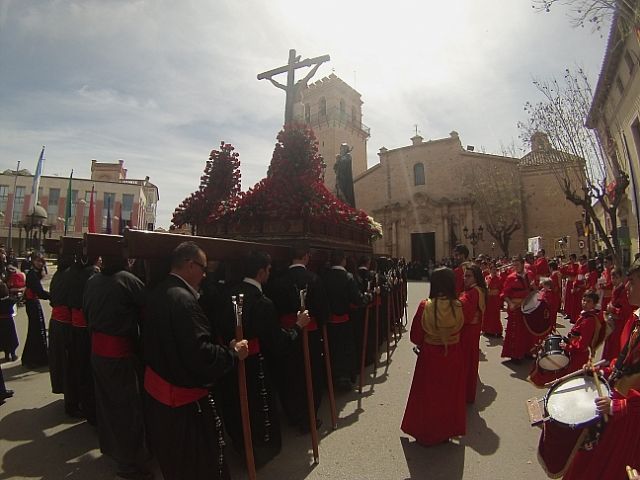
pixel 6 394
pixel 14 357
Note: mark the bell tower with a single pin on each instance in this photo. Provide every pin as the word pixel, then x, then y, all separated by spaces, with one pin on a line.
pixel 333 109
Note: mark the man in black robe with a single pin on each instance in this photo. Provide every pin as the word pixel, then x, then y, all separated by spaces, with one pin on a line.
pixel 267 342
pixel 290 371
pixel 342 292
pixel 183 362
pixel 34 354
pixel 80 352
pixel 112 304
pixel 60 336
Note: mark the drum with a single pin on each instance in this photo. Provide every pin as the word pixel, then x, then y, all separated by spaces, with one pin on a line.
pixel 551 356
pixel 536 314
pixel 571 402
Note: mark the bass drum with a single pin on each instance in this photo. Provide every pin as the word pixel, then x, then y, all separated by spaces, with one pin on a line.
pixel 571 402
pixel 551 356
pixel 537 316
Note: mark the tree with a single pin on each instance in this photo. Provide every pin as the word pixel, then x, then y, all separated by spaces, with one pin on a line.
pixel 496 192
pixel 597 12
pixel 581 162
pixel 218 191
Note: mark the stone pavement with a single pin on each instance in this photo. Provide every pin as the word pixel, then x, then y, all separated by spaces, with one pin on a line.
pixel 37 440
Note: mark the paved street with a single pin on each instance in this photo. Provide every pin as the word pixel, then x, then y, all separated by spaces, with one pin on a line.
pixel 38 441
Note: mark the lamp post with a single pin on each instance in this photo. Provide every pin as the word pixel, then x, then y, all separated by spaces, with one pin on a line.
pixel 474 237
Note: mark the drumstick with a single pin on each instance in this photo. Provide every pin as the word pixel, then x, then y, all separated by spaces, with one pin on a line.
pixel 631 473
pixel 596 379
pixel 573 374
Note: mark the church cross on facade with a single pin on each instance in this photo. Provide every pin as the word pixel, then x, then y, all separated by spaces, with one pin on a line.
pixel 292 87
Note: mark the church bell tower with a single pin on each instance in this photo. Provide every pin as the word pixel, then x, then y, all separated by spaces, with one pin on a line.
pixel 333 110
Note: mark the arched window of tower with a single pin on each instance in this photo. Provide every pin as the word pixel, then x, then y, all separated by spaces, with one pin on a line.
pixel 342 108
pixel 418 174
pixel 323 107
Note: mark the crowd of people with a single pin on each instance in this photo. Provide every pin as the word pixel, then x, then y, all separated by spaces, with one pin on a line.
pixel 152 362
pixel 599 302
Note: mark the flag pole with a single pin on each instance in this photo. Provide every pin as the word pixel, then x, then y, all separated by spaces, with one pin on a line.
pixel 13 203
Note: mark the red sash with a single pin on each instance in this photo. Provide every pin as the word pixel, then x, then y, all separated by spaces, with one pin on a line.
pixel 290 319
pixel 30 294
pixel 61 313
pixel 334 318
pixel 111 346
pixel 254 346
pixel 168 394
pixel 77 318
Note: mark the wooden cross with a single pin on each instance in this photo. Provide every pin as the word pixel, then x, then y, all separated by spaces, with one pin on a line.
pixel 292 87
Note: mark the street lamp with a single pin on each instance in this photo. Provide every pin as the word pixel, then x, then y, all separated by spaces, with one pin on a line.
pixel 474 237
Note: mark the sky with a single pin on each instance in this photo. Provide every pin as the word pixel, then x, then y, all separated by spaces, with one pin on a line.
pixel 160 83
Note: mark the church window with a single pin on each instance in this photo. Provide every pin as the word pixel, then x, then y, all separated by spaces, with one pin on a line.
pixel 342 108
pixel 323 107
pixel 418 174
pixel 307 113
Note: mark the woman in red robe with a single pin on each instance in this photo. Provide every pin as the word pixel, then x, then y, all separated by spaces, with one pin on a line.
pixel 518 340
pixel 617 316
pixel 491 324
pixel 436 409
pixel 473 306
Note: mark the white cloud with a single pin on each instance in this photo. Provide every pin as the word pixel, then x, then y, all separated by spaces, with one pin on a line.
pixel 159 84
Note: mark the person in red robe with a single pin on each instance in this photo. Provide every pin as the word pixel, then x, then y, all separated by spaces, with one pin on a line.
pixel 541 265
pixel 556 280
pixel 619 312
pixel 518 340
pixel 473 306
pixel 579 287
pixel 491 324
pixel 460 257
pixel 605 284
pixel 619 442
pixel 587 333
pixel 436 409
pixel 569 271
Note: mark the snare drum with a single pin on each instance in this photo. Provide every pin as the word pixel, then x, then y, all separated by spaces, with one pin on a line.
pixel 551 356
pixel 571 402
pixel 536 314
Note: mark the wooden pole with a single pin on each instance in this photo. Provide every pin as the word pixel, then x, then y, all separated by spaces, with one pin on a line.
pixel 377 336
pixel 363 356
pixel 388 322
pixel 311 406
pixel 244 398
pixel 327 363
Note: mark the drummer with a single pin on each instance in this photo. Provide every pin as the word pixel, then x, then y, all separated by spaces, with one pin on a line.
pixel 587 333
pixel 619 442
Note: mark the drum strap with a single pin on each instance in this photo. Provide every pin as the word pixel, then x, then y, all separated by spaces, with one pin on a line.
pixel 628 368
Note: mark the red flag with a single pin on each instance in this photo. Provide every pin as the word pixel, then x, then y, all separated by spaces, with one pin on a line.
pixel 92 213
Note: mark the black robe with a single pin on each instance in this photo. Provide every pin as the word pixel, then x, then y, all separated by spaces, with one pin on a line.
pixel 260 321
pixel 60 340
pixel 342 292
pixel 112 305
pixel 289 373
pixel 34 353
pixel 180 346
pixel 8 334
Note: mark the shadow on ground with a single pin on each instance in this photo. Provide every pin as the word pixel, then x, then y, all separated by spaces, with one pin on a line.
pixel 444 461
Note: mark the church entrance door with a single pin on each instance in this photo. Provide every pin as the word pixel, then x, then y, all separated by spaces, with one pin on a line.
pixel 423 247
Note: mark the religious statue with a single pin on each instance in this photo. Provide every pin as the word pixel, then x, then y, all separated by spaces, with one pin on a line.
pixel 344 176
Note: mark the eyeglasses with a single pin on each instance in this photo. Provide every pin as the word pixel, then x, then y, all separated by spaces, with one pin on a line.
pixel 203 267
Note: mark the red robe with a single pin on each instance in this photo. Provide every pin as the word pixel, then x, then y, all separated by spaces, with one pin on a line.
pixel 607 290
pixel 436 409
pixel 619 444
pixel 579 287
pixel 623 317
pixel 556 278
pixel 459 273
pixel 518 341
pixel 570 272
pixel 541 267
pixel 473 307
pixel 491 322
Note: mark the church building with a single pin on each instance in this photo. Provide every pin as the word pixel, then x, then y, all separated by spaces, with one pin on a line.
pixel 422 193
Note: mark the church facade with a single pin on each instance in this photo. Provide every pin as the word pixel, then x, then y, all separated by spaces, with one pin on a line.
pixel 420 193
